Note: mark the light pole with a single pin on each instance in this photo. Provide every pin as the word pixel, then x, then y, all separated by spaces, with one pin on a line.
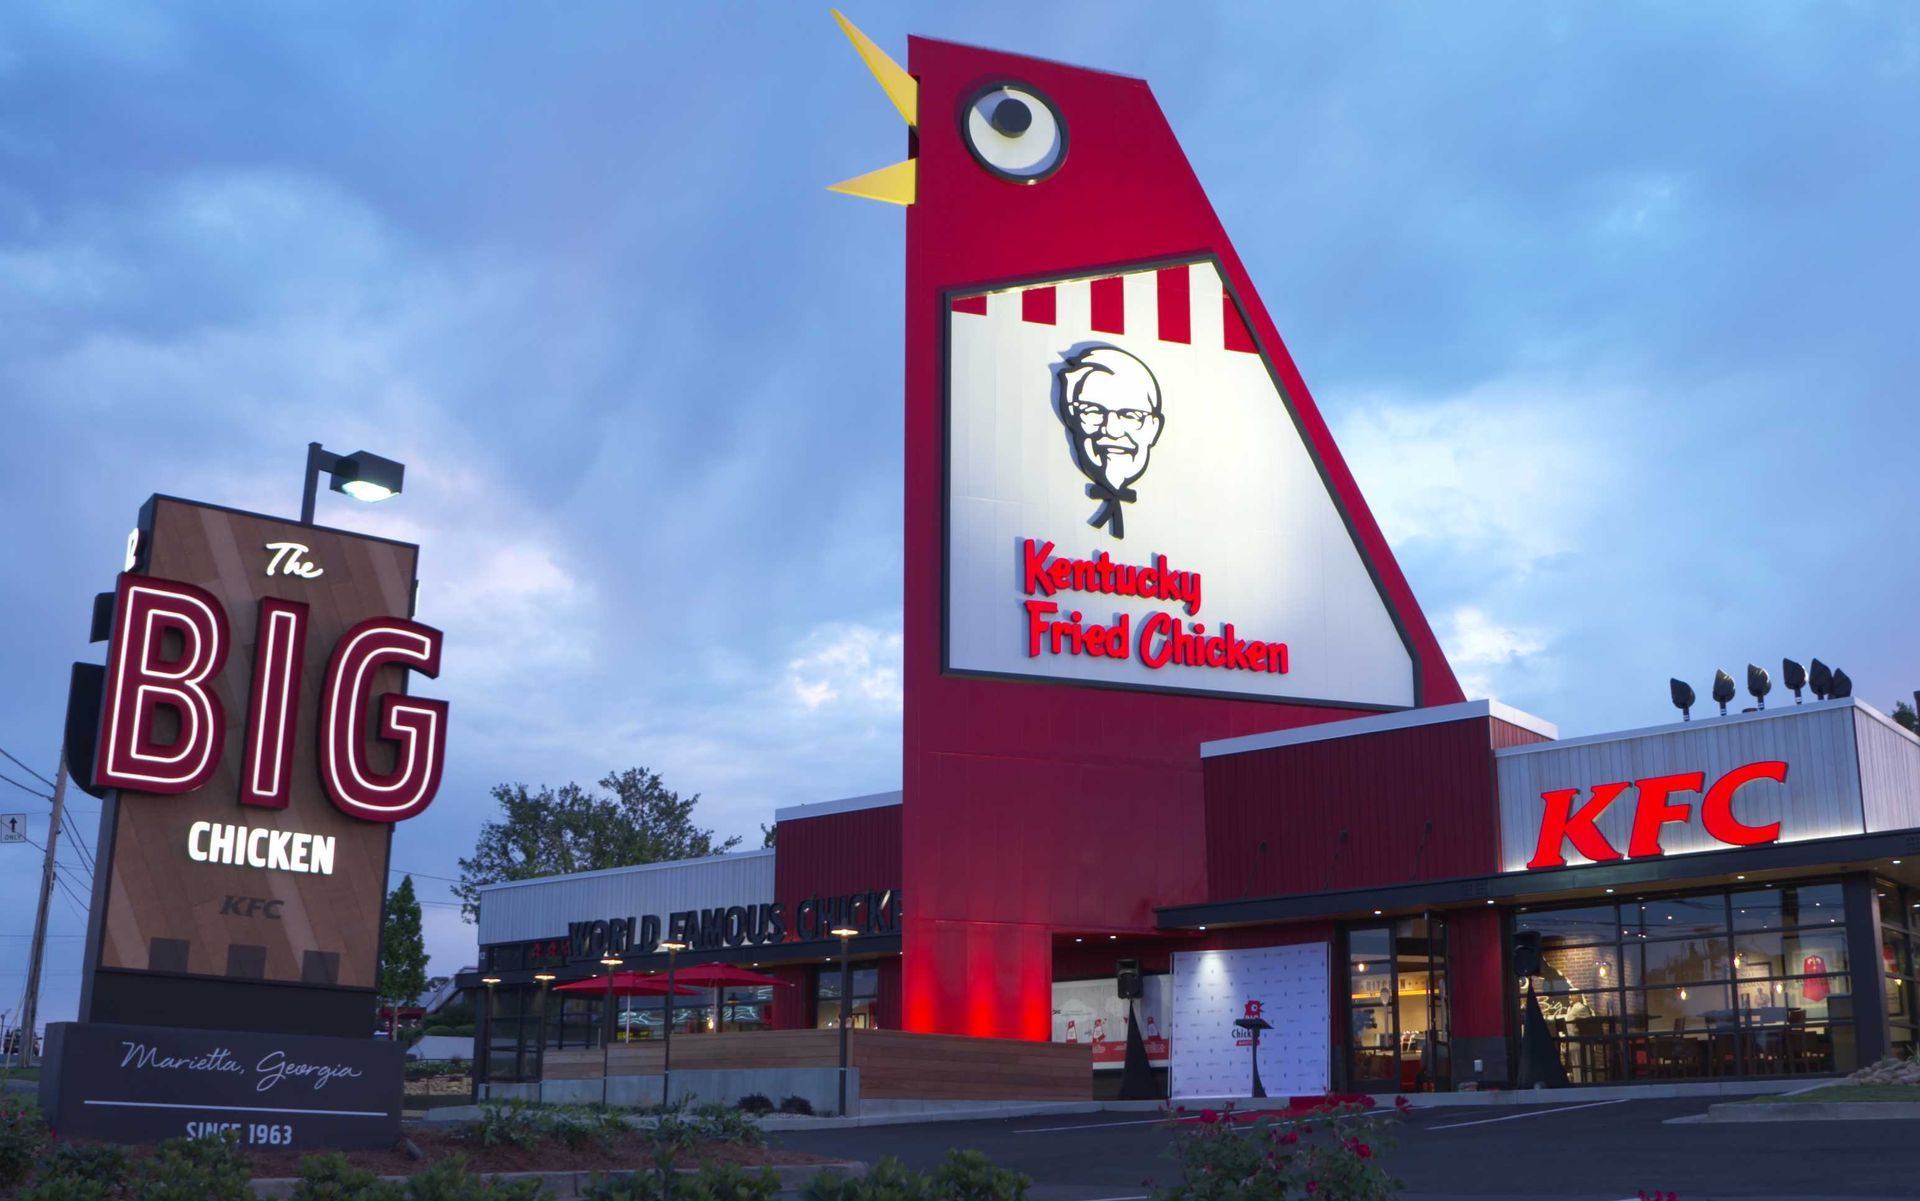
pixel 486 1051
pixel 610 962
pixel 844 933
pixel 362 475
pixel 672 947
pixel 540 1087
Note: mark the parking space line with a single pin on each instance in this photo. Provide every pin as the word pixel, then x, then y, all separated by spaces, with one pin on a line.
pixel 1538 1113
pixel 1095 1126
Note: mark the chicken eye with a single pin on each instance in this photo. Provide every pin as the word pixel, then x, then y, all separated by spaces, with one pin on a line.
pixel 1014 132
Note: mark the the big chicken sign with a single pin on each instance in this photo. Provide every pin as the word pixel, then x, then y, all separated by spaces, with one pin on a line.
pixel 256 742
pixel 1128 529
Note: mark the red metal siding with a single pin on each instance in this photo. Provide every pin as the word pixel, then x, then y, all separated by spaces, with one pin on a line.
pixel 1035 807
pixel 1506 734
pixel 1476 970
pixel 837 854
pixel 1386 808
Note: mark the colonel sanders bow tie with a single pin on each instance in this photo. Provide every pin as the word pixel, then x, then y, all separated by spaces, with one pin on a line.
pixel 1108 514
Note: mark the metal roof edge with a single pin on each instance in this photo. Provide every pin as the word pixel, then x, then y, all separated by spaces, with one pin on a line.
pixel 1682 726
pixel 852 804
pixel 1354 727
pixel 757 852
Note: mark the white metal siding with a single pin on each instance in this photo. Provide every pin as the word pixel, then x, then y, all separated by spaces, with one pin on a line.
pixel 542 908
pixel 1889 772
pixel 1820 799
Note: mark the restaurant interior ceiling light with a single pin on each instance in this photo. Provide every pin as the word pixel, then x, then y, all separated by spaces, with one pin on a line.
pixel 1683 698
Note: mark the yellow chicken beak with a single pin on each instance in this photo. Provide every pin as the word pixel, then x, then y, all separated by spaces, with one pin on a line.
pixel 895 184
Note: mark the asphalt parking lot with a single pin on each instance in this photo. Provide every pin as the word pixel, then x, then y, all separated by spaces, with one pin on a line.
pixel 1581 1151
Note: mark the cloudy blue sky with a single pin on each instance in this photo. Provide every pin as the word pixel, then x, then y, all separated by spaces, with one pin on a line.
pixel 1611 306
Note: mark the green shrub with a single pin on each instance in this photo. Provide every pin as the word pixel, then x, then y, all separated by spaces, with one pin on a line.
pixel 69 1188
pixel 196 1169
pixel 799 1105
pixel 449 1180
pixel 103 1163
pixel 968 1176
pixel 886 1180
pixel 505 1124
pixel 754 1103
pixel 332 1178
pixel 728 1182
pixel 726 1124
pixel 23 1139
pixel 639 1186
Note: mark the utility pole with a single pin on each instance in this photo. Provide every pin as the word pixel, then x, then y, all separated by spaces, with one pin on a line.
pixel 30 1001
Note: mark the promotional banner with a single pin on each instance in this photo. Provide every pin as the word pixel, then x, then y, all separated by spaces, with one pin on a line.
pixel 1091 1011
pixel 279 1091
pixel 1286 986
pixel 1131 502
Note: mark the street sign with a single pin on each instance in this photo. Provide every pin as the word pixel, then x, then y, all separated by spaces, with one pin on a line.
pixel 13 827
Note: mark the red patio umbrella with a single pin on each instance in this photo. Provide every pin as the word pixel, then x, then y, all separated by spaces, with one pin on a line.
pixel 724 975
pixel 629 984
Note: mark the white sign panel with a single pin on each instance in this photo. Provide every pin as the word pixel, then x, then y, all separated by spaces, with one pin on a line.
pixel 1091 1011
pixel 13 827
pixel 1130 502
pixel 1287 986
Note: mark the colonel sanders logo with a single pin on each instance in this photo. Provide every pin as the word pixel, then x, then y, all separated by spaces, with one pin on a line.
pixel 1109 403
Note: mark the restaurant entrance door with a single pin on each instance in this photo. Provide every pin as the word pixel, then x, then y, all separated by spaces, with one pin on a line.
pixel 1398 1017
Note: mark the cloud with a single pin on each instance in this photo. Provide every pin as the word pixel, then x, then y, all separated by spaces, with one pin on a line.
pixel 1484 653
pixel 847 665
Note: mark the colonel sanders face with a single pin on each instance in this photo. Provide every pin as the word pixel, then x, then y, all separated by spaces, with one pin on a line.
pixel 1110 404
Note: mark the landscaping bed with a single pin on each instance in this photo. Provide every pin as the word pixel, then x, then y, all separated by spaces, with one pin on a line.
pixel 621 1153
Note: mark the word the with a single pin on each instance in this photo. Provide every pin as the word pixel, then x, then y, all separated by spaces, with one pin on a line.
pixel 1654 809
pixel 275 850
pixel 286 560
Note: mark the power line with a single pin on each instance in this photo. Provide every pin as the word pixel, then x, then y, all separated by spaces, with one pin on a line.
pixel 401 871
pixel 45 796
pixel 23 767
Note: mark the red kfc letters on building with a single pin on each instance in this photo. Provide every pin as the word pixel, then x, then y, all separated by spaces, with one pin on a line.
pixel 1566 821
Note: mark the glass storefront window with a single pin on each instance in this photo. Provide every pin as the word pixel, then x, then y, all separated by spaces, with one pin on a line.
pixel 1786 906
pixel 1397 1017
pixel 1663 918
pixel 1753 981
pixel 866 991
pixel 1569 927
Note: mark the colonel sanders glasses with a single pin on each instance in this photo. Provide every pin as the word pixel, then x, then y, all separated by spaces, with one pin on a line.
pixel 1092 416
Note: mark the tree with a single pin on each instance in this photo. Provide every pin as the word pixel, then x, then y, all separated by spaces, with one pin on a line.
pixel 767 834
pixel 557 831
pixel 1908 719
pixel 403 951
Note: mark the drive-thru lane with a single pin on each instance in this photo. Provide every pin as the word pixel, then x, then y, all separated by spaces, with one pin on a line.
pixel 1579 1151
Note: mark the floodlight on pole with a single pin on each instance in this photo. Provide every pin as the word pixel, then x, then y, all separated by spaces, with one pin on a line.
pixel 1820 679
pixel 1842 684
pixel 1759 683
pixel 673 947
pixel 612 964
pixel 363 475
pixel 845 935
pixel 1722 689
pixel 1794 677
pixel 1682 694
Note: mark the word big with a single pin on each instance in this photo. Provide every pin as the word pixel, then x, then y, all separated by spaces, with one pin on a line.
pixel 170 641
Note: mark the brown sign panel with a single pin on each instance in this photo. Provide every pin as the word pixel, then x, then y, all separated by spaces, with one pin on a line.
pixel 200 884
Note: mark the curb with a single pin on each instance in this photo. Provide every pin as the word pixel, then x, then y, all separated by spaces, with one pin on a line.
pixel 1812 1111
pixel 573 1184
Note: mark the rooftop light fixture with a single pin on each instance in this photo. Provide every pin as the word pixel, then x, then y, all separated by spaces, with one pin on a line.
pixel 1820 679
pixel 1842 684
pixel 1759 683
pixel 1722 689
pixel 1793 676
pixel 1683 698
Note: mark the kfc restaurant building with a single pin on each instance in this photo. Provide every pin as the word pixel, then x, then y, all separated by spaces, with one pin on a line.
pixel 1168 699
pixel 1723 898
